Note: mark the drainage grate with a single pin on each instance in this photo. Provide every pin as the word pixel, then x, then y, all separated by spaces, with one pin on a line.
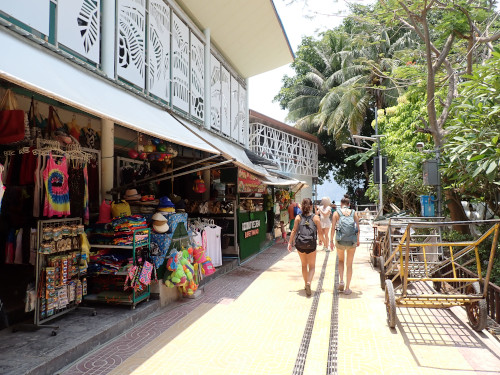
pixel 331 364
pixel 306 338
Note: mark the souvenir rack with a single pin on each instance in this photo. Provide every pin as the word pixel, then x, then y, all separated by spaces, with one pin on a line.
pixel 61 293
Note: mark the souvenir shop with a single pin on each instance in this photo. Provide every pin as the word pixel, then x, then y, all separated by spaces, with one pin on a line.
pixel 63 241
pixel 50 167
pixel 173 216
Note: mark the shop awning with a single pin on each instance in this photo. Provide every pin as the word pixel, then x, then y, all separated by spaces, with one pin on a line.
pixel 48 74
pixel 276 181
pixel 228 149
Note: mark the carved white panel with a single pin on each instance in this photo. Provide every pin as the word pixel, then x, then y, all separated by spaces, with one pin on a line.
pixel 131 41
pixel 215 94
pixel 180 64
pixel 235 131
pixel 225 118
pixel 78 26
pixel 34 13
pixel 242 111
pixel 294 155
pixel 159 49
pixel 197 78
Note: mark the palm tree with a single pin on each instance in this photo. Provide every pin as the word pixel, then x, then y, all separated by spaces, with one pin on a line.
pixel 348 77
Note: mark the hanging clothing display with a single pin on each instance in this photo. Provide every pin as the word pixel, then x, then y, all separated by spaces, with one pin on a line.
pixel 212 244
pixel 2 187
pixel 93 185
pixel 55 178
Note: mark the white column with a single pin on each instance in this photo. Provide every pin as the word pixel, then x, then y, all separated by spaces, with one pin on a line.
pixel 107 155
pixel 247 115
pixel 108 37
pixel 208 72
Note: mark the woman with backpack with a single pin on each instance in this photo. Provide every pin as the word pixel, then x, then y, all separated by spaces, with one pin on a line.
pixel 345 224
pixel 306 229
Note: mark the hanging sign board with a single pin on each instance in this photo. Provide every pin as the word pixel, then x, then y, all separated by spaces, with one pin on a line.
pixel 249 183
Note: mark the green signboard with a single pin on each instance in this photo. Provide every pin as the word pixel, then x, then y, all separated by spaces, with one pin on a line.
pixel 251 232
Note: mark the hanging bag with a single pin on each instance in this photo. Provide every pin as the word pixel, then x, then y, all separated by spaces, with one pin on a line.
pixel 34 120
pixel 11 120
pixel 120 208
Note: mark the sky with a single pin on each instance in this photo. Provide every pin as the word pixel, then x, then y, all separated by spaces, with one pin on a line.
pixel 299 18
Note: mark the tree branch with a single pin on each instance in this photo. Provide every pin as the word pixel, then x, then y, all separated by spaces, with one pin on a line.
pixel 444 53
pixel 488 39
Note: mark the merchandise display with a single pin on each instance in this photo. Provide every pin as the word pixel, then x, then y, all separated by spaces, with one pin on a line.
pixel 61 268
pixel 120 268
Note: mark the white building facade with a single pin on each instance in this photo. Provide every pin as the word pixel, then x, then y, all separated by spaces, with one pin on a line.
pixel 189 58
pixel 294 151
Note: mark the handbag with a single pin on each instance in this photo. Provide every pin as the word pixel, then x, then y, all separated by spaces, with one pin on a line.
pixel 35 120
pixel 11 120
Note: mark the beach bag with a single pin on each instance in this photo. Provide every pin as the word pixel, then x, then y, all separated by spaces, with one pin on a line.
pixel 346 229
pixel 199 186
pixel 11 120
pixel 120 208
pixel 306 236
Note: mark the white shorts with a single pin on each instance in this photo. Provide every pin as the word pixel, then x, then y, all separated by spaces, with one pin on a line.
pixel 325 223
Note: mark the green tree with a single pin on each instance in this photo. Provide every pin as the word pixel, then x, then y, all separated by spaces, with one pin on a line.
pixel 472 148
pixel 441 27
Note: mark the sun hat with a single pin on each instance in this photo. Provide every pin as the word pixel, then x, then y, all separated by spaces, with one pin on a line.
pixel 180 206
pixel 132 195
pixel 160 224
pixel 165 202
pixel 158 218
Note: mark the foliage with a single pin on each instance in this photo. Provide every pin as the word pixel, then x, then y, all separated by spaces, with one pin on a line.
pixel 472 150
pixel 404 170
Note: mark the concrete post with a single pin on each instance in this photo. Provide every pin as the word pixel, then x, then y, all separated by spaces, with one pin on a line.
pixel 246 131
pixel 208 71
pixel 108 37
pixel 107 154
pixel 206 178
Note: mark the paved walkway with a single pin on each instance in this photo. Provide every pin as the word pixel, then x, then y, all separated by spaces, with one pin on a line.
pixel 258 320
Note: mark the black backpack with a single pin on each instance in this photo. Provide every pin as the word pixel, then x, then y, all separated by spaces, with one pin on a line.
pixel 306 236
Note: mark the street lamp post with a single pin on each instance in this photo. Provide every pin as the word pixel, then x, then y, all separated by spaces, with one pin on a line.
pixel 373 138
pixel 380 192
pixel 435 177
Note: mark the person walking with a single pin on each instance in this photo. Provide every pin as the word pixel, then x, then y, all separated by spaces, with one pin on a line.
pixel 325 210
pixel 306 230
pixel 293 210
pixel 345 227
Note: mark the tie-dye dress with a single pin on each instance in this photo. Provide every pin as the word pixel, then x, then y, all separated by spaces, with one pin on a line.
pixel 55 179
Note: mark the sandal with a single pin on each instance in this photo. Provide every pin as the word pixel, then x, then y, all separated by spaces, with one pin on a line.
pixel 308 289
pixel 341 286
pixel 347 291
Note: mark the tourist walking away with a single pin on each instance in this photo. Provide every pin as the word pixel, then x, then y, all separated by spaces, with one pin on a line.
pixel 306 230
pixel 293 210
pixel 325 211
pixel 345 227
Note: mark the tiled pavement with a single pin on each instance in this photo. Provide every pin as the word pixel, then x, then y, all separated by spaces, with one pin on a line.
pixel 252 320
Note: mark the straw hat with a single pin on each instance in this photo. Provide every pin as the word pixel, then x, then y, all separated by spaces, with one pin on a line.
pixel 132 195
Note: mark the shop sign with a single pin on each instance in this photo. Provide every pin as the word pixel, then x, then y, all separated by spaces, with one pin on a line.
pixel 251 233
pixel 249 183
pixel 247 225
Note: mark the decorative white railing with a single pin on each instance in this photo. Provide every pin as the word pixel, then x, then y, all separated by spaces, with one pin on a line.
pixel 294 155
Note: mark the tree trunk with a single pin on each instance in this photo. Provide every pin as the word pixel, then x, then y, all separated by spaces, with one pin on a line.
pixel 457 212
